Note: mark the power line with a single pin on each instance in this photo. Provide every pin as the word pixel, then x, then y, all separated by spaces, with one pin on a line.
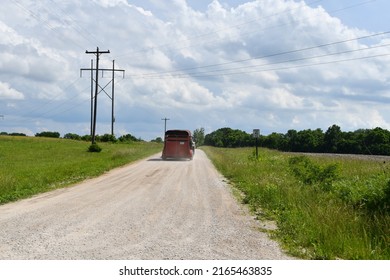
pixel 210 73
pixel 86 34
pixel 315 64
pixel 195 74
pixel 46 23
pixel 206 75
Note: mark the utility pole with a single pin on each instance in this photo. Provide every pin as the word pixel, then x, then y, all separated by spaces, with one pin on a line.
pixel 91 97
pixel 165 125
pixel 112 98
pixel 97 53
pixel 113 70
pixel 112 93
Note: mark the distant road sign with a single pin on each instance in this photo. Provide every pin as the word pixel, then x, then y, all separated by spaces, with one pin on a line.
pixel 256 133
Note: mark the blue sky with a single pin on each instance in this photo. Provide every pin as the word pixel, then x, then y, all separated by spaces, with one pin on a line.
pixel 274 65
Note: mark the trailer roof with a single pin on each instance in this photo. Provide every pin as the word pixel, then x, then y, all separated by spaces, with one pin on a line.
pixel 181 132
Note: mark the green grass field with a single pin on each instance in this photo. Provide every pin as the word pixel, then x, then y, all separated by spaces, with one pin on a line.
pixel 31 165
pixel 325 207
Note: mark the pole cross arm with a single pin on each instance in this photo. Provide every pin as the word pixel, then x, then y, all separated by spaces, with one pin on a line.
pixel 94 69
pixel 97 52
pixel 114 70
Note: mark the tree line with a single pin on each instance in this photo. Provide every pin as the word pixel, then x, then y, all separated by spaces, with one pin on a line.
pixel 73 136
pixel 374 141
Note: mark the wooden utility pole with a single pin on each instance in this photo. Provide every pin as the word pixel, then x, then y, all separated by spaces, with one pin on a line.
pixel 97 53
pixel 112 98
pixel 112 92
pixel 165 125
pixel 113 70
pixel 91 97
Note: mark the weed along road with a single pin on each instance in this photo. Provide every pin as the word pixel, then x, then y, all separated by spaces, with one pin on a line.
pixel 152 209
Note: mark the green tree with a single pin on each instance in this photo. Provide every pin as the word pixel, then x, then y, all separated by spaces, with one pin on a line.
pixel 50 134
pixel 292 141
pixel 128 138
pixel 228 138
pixel 310 140
pixel 107 138
pixel 199 136
pixel 157 140
pixel 332 139
pixel 72 136
pixel 377 141
pixel 274 141
pixel 352 142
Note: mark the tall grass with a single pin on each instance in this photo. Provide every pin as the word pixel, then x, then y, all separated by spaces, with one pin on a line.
pixel 30 165
pixel 325 208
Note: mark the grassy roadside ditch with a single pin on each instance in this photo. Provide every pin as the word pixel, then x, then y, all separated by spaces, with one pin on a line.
pixel 31 165
pixel 325 207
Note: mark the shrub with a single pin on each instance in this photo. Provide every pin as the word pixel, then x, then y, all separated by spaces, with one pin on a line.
pixel 309 173
pixel 94 148
pixel 370 194
pixel 381 201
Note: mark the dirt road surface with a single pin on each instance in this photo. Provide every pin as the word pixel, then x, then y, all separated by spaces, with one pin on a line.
pixel 151 209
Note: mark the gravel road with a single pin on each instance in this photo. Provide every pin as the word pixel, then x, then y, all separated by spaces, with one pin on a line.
pixel 151 209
